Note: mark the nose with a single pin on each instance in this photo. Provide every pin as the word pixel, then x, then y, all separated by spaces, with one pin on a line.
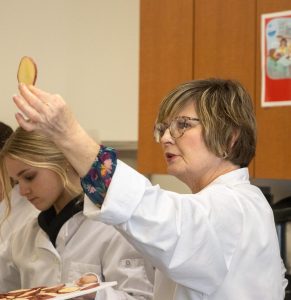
pixel 167 138
pixel 24 189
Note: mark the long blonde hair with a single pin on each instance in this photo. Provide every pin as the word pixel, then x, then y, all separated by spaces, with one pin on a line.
pixel 35 150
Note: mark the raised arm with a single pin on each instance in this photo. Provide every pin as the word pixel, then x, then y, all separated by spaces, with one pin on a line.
pixel 49 114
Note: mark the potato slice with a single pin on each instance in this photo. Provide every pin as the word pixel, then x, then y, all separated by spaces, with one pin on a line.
pixel 32 292
pixel 16 293
pixel 44 296
pixel 27 71
pixel 53 289
pixel 87 278
pixel 68 289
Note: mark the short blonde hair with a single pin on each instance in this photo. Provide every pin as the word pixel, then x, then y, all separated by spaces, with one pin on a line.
pixel 226 113
pixel 38 151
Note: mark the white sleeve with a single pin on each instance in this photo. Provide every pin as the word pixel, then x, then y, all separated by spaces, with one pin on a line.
pixel 173 233
pixel 22 211
pixel 122 263
pixel 9 275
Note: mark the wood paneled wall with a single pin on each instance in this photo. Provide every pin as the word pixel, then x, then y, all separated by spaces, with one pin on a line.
pixel 166 59
pixel 225 41
pixel 273 159
pixel 183 40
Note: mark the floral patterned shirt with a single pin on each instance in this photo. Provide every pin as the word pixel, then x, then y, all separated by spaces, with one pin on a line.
pixel 95 184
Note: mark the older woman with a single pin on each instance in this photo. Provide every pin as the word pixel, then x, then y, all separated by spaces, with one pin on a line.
pixel 218 242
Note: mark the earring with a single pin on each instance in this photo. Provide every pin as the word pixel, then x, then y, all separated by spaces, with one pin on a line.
pixel 224 155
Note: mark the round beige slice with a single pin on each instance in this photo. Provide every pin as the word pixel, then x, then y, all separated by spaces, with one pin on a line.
pixel 16 293
pixel 87 278
pixel 68 289
pixel 32 292
pixel 27 71
pixel 45 296
pixel 53 289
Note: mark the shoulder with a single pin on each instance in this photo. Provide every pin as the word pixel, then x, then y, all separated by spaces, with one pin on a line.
pixel 94 227
pixel 31 227
pixel 20 234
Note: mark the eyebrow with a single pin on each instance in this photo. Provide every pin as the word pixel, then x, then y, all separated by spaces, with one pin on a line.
pixel 21 172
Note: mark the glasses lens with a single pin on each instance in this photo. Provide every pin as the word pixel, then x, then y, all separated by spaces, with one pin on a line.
pixel 159 131
pixel 177 127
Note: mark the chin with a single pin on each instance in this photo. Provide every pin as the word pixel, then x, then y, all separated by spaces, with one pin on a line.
pixel 178 174
pixel 41 207
pixel 173 171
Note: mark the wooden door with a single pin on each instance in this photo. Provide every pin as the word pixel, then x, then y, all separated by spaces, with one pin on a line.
pixel 166 59
pixel 273 159
pixel 224 41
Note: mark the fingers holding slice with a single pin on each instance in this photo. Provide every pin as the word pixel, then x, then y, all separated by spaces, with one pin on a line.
pixel 26 124
pixel 32 116
pixel 54 101
pixel 38 104
pixel 37 98
pixel 39 110
pixel 39 93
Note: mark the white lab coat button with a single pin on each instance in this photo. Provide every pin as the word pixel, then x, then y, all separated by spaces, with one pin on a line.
pixel 127 263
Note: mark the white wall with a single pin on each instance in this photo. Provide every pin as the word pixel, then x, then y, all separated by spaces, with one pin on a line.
pixel 86 50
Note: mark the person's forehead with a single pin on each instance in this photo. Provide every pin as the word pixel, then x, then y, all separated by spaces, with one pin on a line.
pixel 187 109
pixel 14 166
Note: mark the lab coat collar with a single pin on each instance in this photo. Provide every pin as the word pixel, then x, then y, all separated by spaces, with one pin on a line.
pixel 233 178
pixel 41 241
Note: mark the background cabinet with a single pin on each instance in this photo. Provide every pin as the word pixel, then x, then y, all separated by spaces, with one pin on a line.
pixel 182 40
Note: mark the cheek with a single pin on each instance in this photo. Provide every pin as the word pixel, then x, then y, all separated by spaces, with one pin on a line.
pixel 193 143
pixel 49 185
pixel 194 148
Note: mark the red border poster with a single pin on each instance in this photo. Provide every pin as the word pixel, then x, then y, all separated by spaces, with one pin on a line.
pixel 276 59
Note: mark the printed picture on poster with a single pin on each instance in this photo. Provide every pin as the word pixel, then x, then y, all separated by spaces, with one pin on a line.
pixel 276 59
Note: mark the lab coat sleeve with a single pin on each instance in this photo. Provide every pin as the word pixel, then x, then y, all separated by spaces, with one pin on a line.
pixel 122 263
pixel 175 234
pixel 9 275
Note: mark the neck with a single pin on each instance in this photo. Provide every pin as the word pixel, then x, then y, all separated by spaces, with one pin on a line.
pixel 199 183
pixel 68 196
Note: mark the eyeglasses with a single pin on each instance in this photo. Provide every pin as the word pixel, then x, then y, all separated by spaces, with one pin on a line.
pixel 177 127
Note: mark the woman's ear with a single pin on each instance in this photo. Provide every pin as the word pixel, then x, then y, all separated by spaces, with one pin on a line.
pixel 234 137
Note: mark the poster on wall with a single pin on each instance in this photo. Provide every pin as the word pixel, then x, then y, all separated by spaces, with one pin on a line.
pixel 276 59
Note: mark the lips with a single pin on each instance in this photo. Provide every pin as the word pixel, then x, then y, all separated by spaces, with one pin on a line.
pixel 170 156
pixel 31 199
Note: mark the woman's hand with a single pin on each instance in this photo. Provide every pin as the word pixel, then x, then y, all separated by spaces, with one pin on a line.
pixel 47 113
pixel 50 115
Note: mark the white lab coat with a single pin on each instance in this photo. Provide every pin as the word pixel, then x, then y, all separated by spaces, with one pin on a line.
pixel 82 245
pixel 218 244
pixel 21 212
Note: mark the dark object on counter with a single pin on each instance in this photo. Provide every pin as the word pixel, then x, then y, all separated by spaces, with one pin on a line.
pixel 288 288
pixel 282 215
pixel 266 190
